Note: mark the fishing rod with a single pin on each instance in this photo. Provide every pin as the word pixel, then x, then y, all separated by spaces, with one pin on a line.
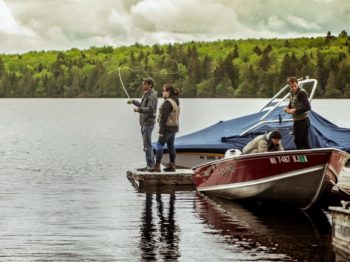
pixel 121 81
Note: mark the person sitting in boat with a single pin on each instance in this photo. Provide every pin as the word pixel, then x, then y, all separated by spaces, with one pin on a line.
pixel 265 143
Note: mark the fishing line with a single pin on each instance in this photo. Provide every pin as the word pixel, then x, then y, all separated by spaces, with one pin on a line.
pixel 147 73
pixel 136 68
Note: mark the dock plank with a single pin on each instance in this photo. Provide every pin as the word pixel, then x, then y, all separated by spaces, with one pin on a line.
pixel 340 230
pixel 140 179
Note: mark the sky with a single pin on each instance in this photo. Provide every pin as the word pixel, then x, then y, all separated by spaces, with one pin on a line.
pixel 27 25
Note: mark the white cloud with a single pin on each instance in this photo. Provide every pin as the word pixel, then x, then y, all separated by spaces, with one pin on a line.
pixel 187 16
pixel 275 22
pixel 9 25
pixel 63 24
pixel 302 23
pixel 7 22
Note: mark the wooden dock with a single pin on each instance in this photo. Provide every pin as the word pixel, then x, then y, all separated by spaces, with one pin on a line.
pixel 144 181
pixel 343 185
pixel 344 178
pixel 341 230
pixel 341 221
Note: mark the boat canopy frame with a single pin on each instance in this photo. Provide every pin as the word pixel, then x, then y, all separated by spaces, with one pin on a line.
pixel 279 99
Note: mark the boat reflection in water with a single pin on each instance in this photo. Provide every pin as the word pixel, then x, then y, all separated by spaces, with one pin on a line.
pixel 159 231
pixel 271 234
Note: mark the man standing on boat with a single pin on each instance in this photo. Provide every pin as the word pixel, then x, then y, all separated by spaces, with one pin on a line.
pixel 264 143
pixel 299 107
pixel 148 113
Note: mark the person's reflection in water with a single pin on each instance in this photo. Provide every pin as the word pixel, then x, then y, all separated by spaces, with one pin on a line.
pixel 165 241
pixel 168 229
pixel 147 231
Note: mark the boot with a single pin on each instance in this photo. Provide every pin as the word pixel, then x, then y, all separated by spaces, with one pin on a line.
pixel 171 167
pixel 155 168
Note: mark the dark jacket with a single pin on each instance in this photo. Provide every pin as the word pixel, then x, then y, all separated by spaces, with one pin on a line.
pixel 165 110
pixel 147 107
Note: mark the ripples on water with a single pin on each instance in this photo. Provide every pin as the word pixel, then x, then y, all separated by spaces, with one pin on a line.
pixel 64 195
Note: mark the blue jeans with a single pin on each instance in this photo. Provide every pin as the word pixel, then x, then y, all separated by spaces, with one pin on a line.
pixel 146 132
pixel 169 139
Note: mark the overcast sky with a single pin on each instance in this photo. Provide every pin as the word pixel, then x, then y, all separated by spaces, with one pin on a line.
pixel 63 24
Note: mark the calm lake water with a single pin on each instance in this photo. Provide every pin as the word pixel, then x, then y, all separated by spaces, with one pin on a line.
pixel 64 194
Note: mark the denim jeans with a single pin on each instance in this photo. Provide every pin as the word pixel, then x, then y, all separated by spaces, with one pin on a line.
pixel 146 132
pixel 169 139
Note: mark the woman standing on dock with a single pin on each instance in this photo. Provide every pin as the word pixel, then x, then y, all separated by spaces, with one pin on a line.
pixel 168 119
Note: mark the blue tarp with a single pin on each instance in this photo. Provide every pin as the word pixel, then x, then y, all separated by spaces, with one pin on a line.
pixel 226 134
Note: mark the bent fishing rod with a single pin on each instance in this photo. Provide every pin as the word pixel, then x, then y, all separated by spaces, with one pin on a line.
pixel 121 81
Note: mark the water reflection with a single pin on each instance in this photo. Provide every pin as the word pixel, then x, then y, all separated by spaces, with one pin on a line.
pixel 159 231
pixel 282 235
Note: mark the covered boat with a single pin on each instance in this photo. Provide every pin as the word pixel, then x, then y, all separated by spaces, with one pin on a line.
pixel 212 142
pixel 297 178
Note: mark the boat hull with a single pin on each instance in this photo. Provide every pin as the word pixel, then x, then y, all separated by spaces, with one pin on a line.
pixel 296 178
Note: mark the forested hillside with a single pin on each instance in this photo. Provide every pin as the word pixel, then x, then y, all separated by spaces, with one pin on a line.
pixel 225 68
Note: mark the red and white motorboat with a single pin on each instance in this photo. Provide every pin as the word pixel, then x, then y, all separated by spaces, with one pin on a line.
pixel 211 143
pixel 296 177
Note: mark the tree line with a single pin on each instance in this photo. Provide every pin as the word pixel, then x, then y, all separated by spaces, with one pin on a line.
pixel 223 68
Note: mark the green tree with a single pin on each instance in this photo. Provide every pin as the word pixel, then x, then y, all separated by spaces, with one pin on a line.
pixel 206 67
pixel 4 84
pixel 26 85
pixel 2 67
pixel 329 37
pixel 249 85
pixel 231 71
pixel 257 50
pixel 235 52
pixel 321 72
pixel 289 67
pixel 331 88
pixel 264 62
pixel 343 78
pixel 194 66
pixel 73 83
pixel 93 80
pixel 343 34
pixel 286 44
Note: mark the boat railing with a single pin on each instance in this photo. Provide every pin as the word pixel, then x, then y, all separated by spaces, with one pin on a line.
pixel 276 101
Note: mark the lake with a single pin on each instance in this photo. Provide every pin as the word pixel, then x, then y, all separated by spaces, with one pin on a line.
pixel 64 194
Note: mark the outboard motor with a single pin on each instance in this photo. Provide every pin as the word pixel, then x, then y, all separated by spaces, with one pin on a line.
pixel 232 153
